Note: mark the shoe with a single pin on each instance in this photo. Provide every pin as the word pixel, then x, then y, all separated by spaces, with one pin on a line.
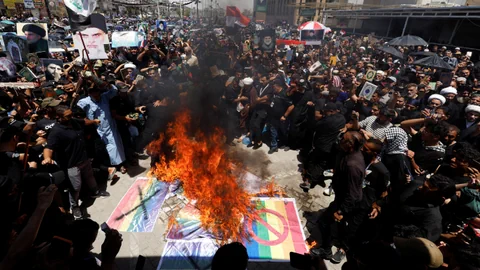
pixel 338 257
pixel 84 212
pixel 329 191
pixel 305 186
pixel 100 193
pixel 250 145
pixel 257 146
pixel 77 213
pixel 111 173
pixel 328 173
pixel 322 253
pixel 272 150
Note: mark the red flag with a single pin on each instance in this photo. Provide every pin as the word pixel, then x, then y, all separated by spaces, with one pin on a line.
pixel 234 16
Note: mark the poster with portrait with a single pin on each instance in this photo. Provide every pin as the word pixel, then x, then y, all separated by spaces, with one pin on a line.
pixel 16 47
pixel 267 40
pixel 261 5
pixel 368 90
pixel 53 69
pixel 312 37
pixel 95 38
pixel 36 35
pixel 125 39
pixel 7 67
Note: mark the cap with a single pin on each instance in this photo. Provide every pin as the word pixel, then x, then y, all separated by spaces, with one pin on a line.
pixel 98 64
pixel 50 102
pixel 330 106
pixel 419 251
pixel 379 72
pixel 370 65
pixel 457 49
pixel 34 29
pixel 444 47
pixel 461 79
pixel 123 89
pixel 362 48
pixel 393 79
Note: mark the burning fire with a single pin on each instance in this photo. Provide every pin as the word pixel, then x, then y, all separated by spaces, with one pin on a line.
pixel 207 175
pixel 310 245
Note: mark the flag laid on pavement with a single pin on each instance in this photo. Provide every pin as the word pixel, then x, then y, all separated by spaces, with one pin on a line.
pixel 139 208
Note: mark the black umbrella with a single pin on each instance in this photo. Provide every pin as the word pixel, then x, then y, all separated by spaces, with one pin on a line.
pixel 408 41
pixel 391 51
pixel 433 61
pixel 423 54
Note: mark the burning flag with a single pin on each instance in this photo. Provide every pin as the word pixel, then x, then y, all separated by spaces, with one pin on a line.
pixel 208 177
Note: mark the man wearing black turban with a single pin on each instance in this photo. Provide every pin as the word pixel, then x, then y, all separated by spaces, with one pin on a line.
pixel 35 38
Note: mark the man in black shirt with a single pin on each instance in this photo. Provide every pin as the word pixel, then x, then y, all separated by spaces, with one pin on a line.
pixel 280 109
pixel 260 109
pixel 326 133
pixel 347 181
pixel 67 140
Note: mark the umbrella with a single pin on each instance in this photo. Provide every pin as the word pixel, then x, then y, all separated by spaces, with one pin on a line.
pixel 433 61
pixel 8 22
pixel 408 40
pixel 423 54
pixel 391 51
pixel 314 26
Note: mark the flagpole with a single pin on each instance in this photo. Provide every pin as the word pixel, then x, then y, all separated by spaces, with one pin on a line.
pixel 85 50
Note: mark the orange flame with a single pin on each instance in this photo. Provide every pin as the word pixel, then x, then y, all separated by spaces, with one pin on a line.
pixel 310 245
pixel 271 189
pixel 207 176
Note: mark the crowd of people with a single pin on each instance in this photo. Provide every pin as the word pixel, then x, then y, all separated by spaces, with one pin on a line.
pixel 404 161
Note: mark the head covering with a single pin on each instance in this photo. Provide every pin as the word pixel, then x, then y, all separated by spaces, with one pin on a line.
pixel 362 48
pixel 330 106
pixel 370 65
pixel 50 102
pixel 439 97
pixel 248 81
pixel 379 72
pixel 123 89
pixel 393 79
pixel 419 251
pixel 472 108
pixel 34 29
pixel 461 79
pixel 397 140
pixel 448 90
pixel 457 48
pixel 335 71
pixel 130 65
pixel 98 64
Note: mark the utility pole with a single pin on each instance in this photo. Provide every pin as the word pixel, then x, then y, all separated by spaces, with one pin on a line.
pixel 198 19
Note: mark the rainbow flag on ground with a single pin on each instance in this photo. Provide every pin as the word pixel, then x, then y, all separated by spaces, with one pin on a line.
pixel 139 208
pixel 276 232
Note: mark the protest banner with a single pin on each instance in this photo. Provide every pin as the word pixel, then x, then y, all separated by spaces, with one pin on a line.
pixel 125 39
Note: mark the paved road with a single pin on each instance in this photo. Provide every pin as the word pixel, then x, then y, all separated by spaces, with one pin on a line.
pixel 283 166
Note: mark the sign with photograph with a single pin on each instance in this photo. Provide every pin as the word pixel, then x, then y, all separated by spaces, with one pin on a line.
pixel 53 69
pixel 95 38
pixel 368 90
pixel 16 46
pixel 125 39
pixel 312 37
pixel 7 67
pixel 267 40
pixel 36 35
pixel 29 4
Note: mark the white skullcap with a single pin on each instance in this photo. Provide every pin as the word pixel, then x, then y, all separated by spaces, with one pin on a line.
pixel 130 65
pixel 448 90
pixel 280 63
pixel 457 49
pixel 393 79
pixel 362 48
pixel 472 108
pixel 335 71
pixel 426 50
pixel 439 97
pixel 461 79
pixel 248 81
pixel 379 72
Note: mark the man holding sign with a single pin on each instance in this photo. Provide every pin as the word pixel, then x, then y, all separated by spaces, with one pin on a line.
pixel 368 90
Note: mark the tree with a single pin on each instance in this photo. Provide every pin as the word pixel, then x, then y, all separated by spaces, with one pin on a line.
pixel 248 13
pixel 186 11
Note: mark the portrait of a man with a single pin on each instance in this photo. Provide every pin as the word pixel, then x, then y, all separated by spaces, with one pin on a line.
pixel 94 37
pixel 7 67
pixel 16 47
pixel 36 36
pixel 267 39
pixel 53 69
